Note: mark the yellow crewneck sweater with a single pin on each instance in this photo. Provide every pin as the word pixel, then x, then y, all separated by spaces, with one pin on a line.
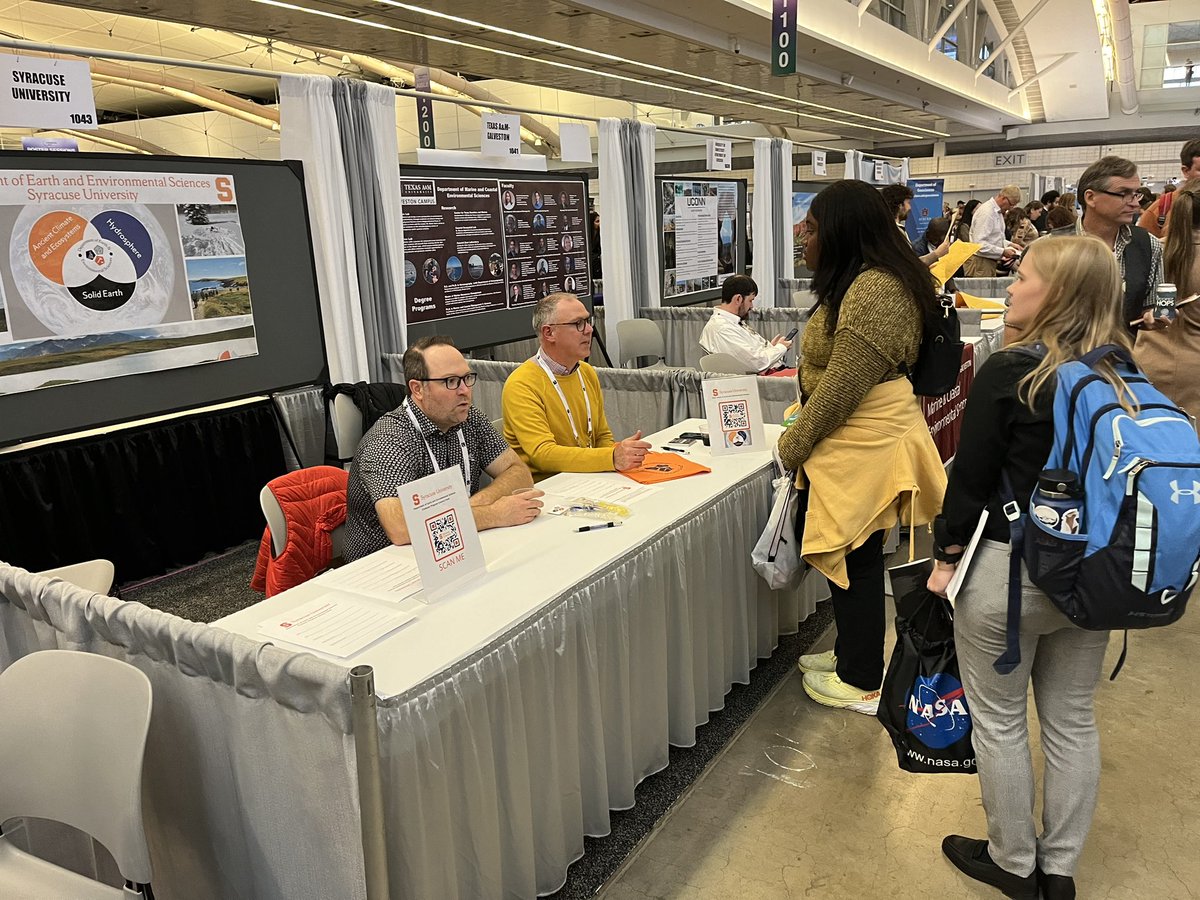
pixel 536 424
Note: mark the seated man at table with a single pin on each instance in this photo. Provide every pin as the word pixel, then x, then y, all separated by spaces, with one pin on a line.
pixel 553 408
pixel 435 428
pixel 727 331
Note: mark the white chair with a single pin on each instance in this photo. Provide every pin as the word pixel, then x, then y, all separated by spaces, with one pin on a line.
pixel 722 364
pixel 641 337
pixel 94 575
pixel 347 426
pixel 71 747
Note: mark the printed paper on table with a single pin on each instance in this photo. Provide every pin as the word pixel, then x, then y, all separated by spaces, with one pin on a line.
pixel 734 413
pixel 441 527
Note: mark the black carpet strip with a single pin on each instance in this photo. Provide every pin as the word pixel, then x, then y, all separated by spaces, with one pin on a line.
pixel 220 585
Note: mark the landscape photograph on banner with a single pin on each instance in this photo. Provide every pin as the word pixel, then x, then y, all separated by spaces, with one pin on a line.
pixel 116 273
pixel 801 203
pixel 699 235
pixel 477 245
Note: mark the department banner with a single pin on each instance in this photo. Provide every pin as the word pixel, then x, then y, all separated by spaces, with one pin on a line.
pixel 926 205
pixel 112 273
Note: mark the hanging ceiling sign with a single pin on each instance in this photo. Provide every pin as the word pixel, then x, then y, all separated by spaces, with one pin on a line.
pixel 818 162
pixel 425 136
pixel 720 155
pixel 46 93
pixel 783 37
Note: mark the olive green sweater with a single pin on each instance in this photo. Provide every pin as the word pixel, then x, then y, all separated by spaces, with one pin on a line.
pixel 877 338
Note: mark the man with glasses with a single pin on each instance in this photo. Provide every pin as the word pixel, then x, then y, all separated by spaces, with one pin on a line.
pixel 987 230
pixel 435 428
pixel 553 408
pixel 1108 193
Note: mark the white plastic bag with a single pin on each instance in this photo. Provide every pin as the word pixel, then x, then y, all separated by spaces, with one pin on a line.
pixel 776 556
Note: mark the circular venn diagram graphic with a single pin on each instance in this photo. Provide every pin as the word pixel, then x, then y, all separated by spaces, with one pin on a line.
pixel 92 268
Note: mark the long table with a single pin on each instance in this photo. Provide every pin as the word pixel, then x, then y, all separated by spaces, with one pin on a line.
pixel 514 716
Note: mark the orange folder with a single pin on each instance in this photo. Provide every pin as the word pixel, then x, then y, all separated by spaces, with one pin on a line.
pixel 660 467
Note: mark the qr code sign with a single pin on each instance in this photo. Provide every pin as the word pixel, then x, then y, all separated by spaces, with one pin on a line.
pixel 445 538
pixel 735 415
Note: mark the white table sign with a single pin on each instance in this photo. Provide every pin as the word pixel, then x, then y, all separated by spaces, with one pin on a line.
pixel 735 423
pixel 46 93
pixel 441 527
pixel 499 135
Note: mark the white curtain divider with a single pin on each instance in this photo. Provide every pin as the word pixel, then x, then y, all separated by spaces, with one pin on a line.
pixel 309 132
pixel 772 219
pixel 629 250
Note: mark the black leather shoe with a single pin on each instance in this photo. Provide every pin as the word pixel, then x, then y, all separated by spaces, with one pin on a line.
pixel 1057 887
pixel 971 858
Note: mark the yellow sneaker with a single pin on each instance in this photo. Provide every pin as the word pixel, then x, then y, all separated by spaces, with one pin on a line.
pixel 818 662
pixel 829 690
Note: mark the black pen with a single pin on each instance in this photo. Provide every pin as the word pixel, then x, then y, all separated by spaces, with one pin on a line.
pixel 597 527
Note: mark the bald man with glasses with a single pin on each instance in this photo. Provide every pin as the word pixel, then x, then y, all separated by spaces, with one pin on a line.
pixel 553 409
pixel 435 428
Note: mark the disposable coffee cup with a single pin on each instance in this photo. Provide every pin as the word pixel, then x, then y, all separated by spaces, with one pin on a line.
pixel 1164 301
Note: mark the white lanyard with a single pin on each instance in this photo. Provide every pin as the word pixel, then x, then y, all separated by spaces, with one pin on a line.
pixel 462 444
pixel 587 404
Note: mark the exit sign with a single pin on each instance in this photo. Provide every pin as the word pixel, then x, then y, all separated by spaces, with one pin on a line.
pixel 1008 160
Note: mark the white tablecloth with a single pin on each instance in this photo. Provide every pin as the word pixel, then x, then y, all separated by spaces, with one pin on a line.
pixel 520 712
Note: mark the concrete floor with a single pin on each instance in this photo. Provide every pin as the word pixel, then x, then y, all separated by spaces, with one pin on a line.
pixel 809 802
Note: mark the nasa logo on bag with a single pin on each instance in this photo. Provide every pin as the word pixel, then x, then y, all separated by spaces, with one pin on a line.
pixel 937 711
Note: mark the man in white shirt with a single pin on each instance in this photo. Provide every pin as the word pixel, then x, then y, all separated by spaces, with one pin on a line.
pixel 727 331
pixel 987 230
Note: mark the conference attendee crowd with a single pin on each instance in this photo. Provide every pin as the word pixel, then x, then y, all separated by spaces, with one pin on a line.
pixel 862 456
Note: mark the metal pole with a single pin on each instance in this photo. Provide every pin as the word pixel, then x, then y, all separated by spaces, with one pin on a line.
pixel 370 781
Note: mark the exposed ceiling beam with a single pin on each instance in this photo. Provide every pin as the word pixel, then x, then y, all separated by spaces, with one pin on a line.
pixel 1009 38
pixel 946 26
pixel 1041 74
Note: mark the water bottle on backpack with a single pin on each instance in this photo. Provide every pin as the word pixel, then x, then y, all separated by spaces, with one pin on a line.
pixel 1058 501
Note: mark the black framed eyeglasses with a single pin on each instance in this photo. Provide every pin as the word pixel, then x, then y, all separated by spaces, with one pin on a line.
pixel 1124 196
pixel 453 381
pixel 580 325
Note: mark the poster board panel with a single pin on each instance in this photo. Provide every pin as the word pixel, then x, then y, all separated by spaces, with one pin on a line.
pixel 702 236
pixel 137 286
pixel 481 247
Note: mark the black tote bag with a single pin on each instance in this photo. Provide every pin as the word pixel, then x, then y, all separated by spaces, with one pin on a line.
pixel 922 705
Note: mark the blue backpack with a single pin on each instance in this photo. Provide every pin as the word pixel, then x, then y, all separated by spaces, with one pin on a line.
pixel 1136 557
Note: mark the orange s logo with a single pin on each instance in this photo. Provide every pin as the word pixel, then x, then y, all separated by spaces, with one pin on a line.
pixel 224 190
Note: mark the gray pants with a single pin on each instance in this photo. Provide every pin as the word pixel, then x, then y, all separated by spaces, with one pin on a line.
pixel 1064 662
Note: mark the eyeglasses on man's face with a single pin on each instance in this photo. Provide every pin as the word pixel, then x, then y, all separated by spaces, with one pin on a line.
pixel 452 382
pixel 580 325
pixel 1123 196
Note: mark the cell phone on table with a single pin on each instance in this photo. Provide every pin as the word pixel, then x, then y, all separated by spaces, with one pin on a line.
pixel 691 437
pixel 791 334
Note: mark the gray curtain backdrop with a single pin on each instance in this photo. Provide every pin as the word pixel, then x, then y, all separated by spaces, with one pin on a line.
pixel 302 412
pixel 381 316
pixel 781 219
pixel 643 259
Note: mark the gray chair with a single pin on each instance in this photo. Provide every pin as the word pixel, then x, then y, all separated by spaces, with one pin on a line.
pixel 722 364
pixel 638 338
pixel 347 426
pixel 71 751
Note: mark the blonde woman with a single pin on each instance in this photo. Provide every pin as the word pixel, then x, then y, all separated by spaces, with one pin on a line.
pixel 1066 297
pixel 1171 356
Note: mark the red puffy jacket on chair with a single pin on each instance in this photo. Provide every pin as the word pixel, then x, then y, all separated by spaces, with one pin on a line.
pixel 313 501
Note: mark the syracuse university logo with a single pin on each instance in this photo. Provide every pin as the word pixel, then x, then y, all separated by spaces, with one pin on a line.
pixel 937 710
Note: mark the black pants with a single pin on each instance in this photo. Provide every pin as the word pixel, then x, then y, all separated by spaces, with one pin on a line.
pixel 861 618
pixel 858 611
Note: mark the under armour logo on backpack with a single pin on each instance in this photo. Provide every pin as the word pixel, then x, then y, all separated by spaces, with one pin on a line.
pixel 1194 493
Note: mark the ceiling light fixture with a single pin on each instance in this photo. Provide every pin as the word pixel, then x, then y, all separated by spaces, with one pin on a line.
pixel 459 20
pixel 561 65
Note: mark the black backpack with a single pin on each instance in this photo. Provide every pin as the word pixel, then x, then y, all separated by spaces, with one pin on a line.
pixel 940 356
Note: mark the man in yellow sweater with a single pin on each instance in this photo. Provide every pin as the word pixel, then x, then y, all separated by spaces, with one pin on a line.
pixel 553 408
